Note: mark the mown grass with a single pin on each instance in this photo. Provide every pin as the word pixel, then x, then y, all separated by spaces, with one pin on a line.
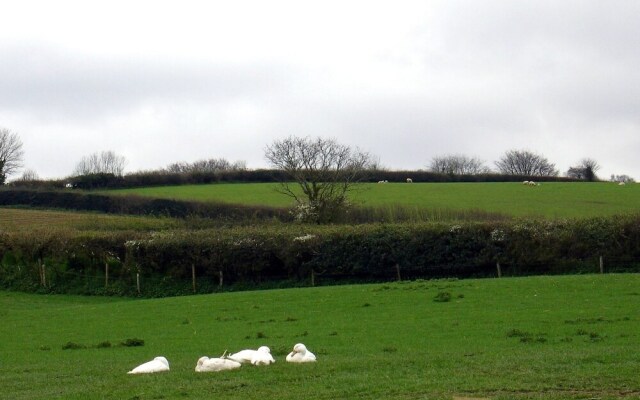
pixel 567 337
pixel 549 200
pixel 23 219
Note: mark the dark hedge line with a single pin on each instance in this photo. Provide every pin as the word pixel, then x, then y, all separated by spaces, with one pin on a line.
pixel 161 178
pixel 137 205
pixel 270 256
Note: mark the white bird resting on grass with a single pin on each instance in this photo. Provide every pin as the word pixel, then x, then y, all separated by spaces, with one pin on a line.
pixel 158 364
pixel 262 356
pixel 300 354
pixel 206 364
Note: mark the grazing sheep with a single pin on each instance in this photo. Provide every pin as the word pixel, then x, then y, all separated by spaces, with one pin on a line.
pixel 262 356
pixel 409 180
pixel 532 183
pixel 206 364
pixel 300 354
pixel 525 182
pixel 158 364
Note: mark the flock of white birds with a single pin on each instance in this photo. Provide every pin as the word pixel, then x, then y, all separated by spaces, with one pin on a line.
pixel 261 356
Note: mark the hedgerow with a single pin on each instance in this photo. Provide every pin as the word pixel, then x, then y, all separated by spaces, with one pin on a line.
pixel 183 261
pixel 164 178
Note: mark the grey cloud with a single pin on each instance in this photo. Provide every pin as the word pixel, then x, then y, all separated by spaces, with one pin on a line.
pixel 50 82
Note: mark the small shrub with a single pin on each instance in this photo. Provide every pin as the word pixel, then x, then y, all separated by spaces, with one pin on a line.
pixel 104 345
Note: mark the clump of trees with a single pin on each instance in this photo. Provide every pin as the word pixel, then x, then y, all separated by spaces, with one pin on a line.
pixel 10 154
pixel 585 170
pixel 206 166
pixel 525 163
pixel 621 178
pixel 458 164
pixel 319 174
pixel 105 162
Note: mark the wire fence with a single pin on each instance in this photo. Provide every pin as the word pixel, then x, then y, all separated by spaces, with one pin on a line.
pixel 138 281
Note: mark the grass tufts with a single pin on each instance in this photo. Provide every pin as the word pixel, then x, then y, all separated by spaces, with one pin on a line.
pixel 442 297
pixel 73 346
pixel 134 342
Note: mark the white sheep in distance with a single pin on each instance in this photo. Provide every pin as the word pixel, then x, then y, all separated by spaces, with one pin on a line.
pixel 158 364
pixel 262 356
pixel 300 354
pixel 525 182
pixel 621 184
pixel 206 364
pixel 409 180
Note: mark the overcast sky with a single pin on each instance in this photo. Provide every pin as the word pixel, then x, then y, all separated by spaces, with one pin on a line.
pixel 161 82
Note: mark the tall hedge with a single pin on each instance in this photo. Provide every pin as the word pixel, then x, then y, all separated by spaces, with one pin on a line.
pixel 264 255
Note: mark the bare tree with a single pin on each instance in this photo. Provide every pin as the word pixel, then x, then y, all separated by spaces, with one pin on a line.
pixel 323 170
pixel 29 175
pixel 458 164
pixel 106 162
pixel 10 154
pixel 622 178
pixel 586 170
pixel 210 165
pixel 525 163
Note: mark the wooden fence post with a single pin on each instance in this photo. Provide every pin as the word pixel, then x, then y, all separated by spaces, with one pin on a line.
pixel 398 272
pixel 499 269
pixel 601 265
pixel 193 276
pixel 106 274
pixel 221 280
pixel 138 282
pixel 40 264
pixel 313 277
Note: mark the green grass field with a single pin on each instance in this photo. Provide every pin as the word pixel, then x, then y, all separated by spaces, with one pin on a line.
pixel 22 219
pixel 563 337
pixel 551 200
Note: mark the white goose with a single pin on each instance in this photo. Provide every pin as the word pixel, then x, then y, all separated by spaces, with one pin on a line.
pixel 206 364
pixel 262 356
pixel 158 364
pixel 300 354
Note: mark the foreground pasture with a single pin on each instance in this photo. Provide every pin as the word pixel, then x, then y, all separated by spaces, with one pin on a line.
pixel 551 200
pixel 567 337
